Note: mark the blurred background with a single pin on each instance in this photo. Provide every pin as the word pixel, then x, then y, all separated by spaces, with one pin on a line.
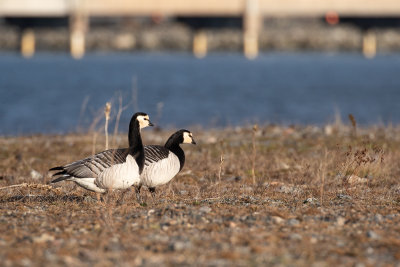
pixel 197 63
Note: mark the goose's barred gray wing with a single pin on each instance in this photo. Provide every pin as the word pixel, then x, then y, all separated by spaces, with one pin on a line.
pixel 154 153
pixel 92 166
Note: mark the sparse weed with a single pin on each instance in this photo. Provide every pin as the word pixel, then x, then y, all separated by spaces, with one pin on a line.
pixel 212 213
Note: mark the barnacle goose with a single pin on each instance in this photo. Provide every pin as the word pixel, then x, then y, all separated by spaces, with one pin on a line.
pixel 111 169
pixel 162 163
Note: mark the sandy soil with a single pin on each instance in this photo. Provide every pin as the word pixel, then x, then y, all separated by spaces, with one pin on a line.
pixel 319 196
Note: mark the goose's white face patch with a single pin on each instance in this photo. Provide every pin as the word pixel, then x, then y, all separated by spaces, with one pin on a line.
pixel 187 138
pixel 144 121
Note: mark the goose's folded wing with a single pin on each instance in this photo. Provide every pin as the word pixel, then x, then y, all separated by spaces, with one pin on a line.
pixel 92 166
pixel 155 153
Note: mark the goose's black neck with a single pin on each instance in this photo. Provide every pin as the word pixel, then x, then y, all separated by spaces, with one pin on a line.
pixel 135 143
pixel 173 145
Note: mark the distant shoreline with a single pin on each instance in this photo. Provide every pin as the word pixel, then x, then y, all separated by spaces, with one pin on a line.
pixel 277 35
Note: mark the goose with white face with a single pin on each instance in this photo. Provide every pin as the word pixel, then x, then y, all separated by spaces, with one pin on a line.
pixel 144 121
pixel 111 169
pixel 188 138
pixel 162 163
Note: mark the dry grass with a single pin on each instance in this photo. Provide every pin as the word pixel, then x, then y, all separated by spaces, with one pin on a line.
pixel 322 196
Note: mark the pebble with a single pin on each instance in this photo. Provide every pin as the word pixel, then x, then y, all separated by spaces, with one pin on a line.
pixel 344 197
pixel 35 175
pixel 373 235
pixel 311 200
pixel 26 262
pixel 354 179
pixel 205 209
pixel 150 212
pixel 378 218
pixel 296 237
pixel 43 238
pixel 340 221
pixel 277 219
pixel 234 179
pixel 293 222
pixel 288 189
pixel 180 245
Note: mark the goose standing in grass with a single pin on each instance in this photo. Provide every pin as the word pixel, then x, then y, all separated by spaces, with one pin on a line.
pixel 162 163
pixel 110 169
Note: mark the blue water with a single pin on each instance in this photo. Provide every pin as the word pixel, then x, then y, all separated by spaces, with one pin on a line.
pixel 46 94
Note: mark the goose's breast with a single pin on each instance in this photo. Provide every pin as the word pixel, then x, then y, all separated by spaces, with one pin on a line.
pixel 120 176
pixel 160 172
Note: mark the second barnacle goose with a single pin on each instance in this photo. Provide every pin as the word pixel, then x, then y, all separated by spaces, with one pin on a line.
pixel 110 169
pixel 162 163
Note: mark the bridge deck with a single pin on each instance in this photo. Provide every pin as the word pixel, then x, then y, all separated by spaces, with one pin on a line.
pixel 270 8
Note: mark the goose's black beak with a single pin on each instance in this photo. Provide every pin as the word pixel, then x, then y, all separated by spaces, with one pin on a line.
pixel 193 142
pixel 150 124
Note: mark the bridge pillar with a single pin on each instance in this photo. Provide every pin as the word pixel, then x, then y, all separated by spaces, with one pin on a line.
pixel 200 44
pixel 27 43
pixel 78 25
pixel 369 43
pixel 251 28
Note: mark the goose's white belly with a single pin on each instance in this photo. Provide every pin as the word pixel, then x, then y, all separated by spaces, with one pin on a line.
pixel 88 184
pixel 160 172
pixel 119 176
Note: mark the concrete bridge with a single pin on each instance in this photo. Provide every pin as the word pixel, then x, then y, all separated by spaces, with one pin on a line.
pixel 252 12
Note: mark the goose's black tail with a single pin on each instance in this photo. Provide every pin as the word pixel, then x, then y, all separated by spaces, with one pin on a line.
pixel 61 172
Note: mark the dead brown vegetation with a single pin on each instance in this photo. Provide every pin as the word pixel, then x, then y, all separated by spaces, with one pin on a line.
pixel 322 195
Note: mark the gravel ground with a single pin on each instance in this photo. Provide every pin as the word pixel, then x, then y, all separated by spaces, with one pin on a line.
pixel 319 196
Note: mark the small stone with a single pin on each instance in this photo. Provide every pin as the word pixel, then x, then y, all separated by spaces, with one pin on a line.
pixel 374 236
pixel 43 238
pixel 70 261
pixel 354 179
pixel 340 221
pixel 293 222
pixel 179 246
pixel 311 200
pixel 35 175
pixel 89 199
pixel 282 165
pixel 150 212
pixel 26 262
pixel 277 219
pixel 344 197
pixel 234 179
pixel 378 218
pixel 205 209
pixel 296 237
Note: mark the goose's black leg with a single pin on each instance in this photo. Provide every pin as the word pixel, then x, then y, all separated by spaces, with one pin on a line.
pixel 137 189
pixel 121 197
pixel 152 191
